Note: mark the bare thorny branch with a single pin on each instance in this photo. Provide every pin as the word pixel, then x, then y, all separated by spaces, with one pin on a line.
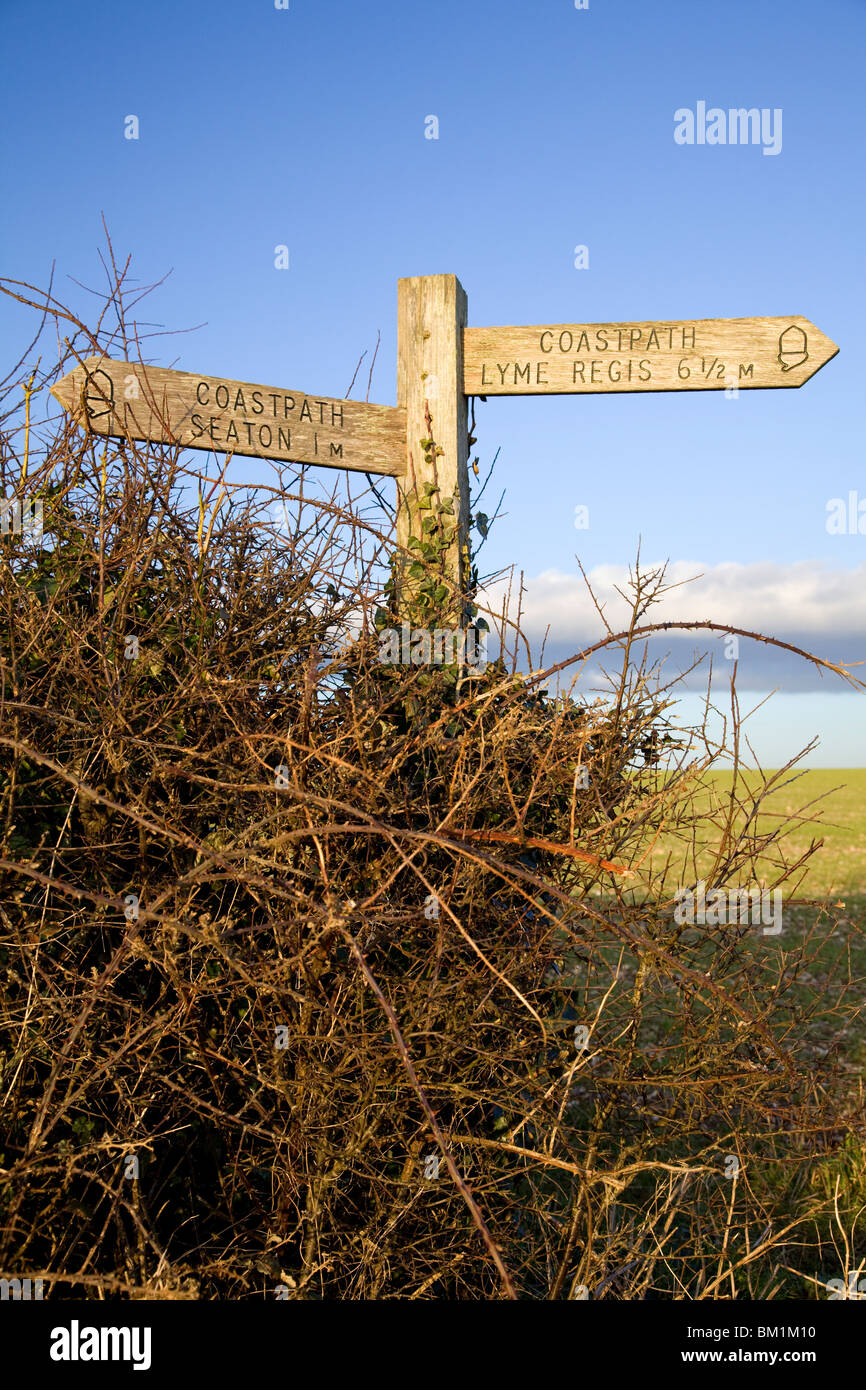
pixel 291 926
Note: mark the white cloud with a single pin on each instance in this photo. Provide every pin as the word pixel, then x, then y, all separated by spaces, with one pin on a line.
pixel 779 600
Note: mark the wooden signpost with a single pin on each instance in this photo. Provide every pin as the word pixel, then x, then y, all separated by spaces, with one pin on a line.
pixel 431 321
pixel 126 400
pixel 423 441
pixel 690 355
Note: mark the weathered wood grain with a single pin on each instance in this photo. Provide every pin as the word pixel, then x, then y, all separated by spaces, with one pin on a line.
pixel 431 317
pixel 126 400
pixel 685 355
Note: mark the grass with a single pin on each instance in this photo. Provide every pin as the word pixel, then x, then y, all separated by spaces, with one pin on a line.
pixel 823 807
pixel 838 797
pixel 835 875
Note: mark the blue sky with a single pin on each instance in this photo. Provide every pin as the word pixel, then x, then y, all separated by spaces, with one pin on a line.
pixel 306 127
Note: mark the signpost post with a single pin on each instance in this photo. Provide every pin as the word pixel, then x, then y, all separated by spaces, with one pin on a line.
pixel 423 441
pixel 431 320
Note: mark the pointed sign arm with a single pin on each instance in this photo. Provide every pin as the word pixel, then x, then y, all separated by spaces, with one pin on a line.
pixel 129 401
pixel 680 355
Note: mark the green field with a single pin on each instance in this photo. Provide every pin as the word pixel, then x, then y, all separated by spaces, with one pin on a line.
pixel 838 798
pixel 825 902
pixel 808 806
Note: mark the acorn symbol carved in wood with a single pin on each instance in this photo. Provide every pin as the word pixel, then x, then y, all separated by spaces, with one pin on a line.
pixel 98 395
pixel 792 348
